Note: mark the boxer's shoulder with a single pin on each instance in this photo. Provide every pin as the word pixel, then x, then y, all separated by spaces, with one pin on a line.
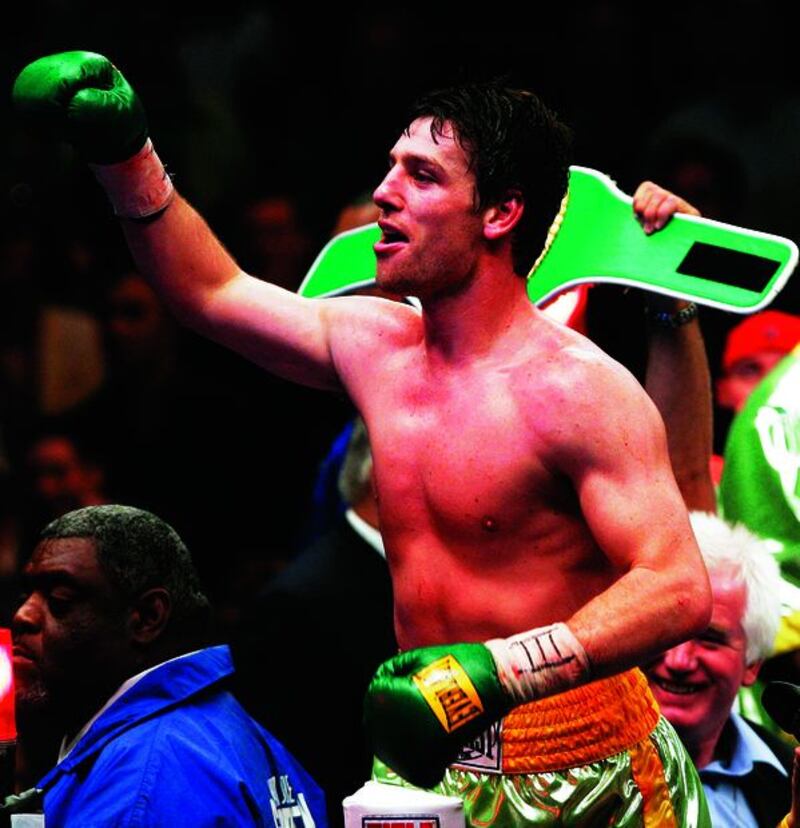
pixel 579 395
pixel 372 321
pixel 369 337
pixel 570 370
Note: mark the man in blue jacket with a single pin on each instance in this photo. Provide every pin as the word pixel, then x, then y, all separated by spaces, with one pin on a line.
pixel 110 640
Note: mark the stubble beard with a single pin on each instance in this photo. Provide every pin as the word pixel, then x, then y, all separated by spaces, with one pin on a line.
pixel 402 283
pixel 425 277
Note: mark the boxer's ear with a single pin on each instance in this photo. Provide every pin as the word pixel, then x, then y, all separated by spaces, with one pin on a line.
pixel 500 218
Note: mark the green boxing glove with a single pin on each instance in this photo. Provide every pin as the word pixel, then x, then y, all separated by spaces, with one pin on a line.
pixel 424 705
pixel 82 98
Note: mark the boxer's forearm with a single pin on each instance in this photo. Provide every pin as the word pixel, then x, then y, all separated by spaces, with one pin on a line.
pixel 423 704
pixel 84 99
pixel 180 256
pixel 648 610
pixel 204 287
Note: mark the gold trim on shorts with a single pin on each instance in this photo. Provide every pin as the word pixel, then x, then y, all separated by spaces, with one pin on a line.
pixel 584 725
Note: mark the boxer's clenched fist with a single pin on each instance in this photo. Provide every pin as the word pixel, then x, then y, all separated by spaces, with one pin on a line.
pixel 82 98
pixel 424 705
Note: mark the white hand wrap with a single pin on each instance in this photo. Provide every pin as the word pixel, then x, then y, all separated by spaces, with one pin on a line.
pixel 138 187
pixel 540 662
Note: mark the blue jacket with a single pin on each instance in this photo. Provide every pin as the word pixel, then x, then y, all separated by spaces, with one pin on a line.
pixel 178 750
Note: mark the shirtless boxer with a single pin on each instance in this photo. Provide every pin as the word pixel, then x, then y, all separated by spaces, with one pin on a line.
pixel 522 476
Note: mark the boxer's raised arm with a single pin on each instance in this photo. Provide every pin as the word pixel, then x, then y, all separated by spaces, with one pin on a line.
pixel 82 98
pixel 204 287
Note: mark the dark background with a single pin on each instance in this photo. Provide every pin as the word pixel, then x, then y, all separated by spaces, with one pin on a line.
pixel 262 97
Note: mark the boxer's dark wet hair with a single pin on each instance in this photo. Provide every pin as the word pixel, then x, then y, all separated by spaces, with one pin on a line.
pixel 513 142
pixel 139 551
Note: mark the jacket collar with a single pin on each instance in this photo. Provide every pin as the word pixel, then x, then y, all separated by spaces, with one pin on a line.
pixel 164 687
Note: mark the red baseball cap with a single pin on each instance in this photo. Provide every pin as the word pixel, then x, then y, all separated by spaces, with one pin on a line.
pixel 766 331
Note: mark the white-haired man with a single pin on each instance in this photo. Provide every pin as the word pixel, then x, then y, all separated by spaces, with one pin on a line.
pixel 744 769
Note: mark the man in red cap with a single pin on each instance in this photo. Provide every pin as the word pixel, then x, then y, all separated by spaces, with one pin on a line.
pixel 753 348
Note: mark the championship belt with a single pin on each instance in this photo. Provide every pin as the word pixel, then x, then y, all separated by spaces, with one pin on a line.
pixel 595 239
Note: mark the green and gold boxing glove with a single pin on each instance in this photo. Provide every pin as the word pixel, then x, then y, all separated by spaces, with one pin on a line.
pixel 82 98
pixel 424 705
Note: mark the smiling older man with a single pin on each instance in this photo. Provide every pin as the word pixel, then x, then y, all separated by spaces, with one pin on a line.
pixel 743 767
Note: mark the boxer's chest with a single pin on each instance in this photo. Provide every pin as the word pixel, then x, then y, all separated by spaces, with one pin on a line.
pixel 455 452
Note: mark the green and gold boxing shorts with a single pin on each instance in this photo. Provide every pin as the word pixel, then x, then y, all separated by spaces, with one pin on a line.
pixel 599 755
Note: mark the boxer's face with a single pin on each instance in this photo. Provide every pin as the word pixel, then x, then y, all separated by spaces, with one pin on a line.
pixel 432 232
pixel 69 631
pixel 696 682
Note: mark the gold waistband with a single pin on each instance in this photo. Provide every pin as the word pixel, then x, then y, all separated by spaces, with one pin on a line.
pixel 580 726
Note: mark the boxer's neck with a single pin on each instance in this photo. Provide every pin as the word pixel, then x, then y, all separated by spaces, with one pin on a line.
pixel 467 322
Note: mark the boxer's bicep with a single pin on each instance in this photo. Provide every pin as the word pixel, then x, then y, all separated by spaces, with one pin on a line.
pixel 610 442
pixel 626 488
pixel 631 505
pixel 325 343
pixel 287 335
